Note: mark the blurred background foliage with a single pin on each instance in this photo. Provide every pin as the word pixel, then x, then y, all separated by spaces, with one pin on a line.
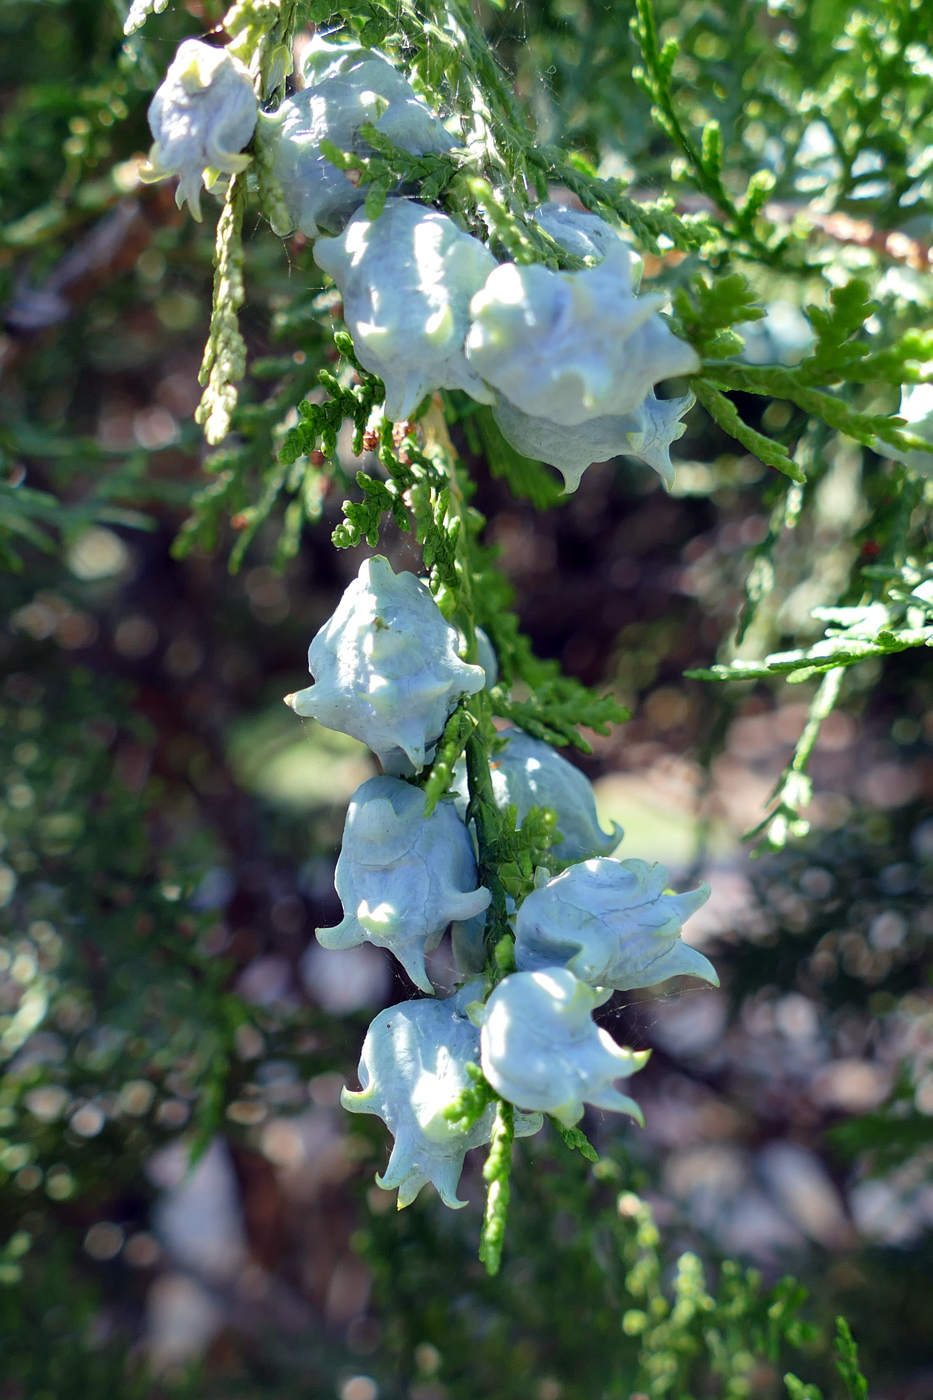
pixel 169 831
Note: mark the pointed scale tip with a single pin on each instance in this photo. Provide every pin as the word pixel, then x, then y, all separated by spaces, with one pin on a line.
pixel 357 1100
pixel 633 1110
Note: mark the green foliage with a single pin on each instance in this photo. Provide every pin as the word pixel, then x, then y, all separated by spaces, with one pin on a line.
pixel 141 1034
pixel 391 166
pixel 576 1141
pixel 23 513
pixel 724 412
pixel 793 385
pixel 29 517
pixel 706 314
pixel 320 424
pixel 449 751
pixel 794 790
pixel 735 1328
pixel 17 1245
pixel 471 1103
pixel 834 354
pixel 286 468
pixel 416 489
pixel 847 1362
pixel 760 579
pixel 558 705
pixel 554 1309
pixel 891 612
pixel 70 1363
pixel 797 1390
pixel 225 352
pixel 509 854
pixel 496 1173
pixel 520 851
pixel 892 1135
pixel 895 622
pixel 704 161
pixel 707 311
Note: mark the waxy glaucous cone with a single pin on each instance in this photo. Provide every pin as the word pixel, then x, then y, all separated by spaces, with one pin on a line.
pixel 346 88
pixel 386 668
pixel 612 924
pixel 412 1068
pixel 406 280
pixel 542 1050
pixel 530 773
pixel 646 433
pixel 584 235
pixel 572 346
pixel 403 877
pixel 201 118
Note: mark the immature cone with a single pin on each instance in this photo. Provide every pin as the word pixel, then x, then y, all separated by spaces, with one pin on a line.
pixel 572 346
pixel 612 924
pixel 584 235
pixel 917 409
pixel 386 668
pixel 646 432
pixel 406 280
pixel 403 877
pixel 346 88
pixel 413 1067
pixel 542 1050
pixel 530 773
pixel 201 118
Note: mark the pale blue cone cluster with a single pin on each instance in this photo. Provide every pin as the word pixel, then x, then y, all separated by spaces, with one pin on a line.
pixel 403 877
pixel 541 1049
pixel 346 87
pixel 386 668
pixel 611 923
pixel 602 925
pixel 407 279
pixel 568 360
pixel 202 117
pixel 413 1066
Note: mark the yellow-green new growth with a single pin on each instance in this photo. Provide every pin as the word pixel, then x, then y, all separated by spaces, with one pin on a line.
pixel 225 352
